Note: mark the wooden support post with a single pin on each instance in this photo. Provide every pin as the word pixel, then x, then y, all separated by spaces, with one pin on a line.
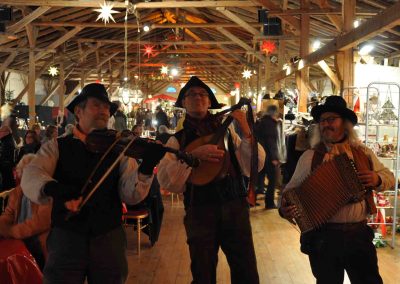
pixel 61 89
pixel 302 76
pixel 31 89
pixel 344 59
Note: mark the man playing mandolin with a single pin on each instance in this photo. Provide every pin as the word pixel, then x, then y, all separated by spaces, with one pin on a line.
pixel 92 243
pixel 217 213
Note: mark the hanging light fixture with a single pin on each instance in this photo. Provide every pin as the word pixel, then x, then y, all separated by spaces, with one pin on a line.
pixel 164 70
pixel 106 12
pixel 365 49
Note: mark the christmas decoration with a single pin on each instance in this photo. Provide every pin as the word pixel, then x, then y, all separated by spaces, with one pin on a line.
pixel 246 74
pixel 53 71
pixel 268 46
pixel 378 241
pixel 164 70
pixel 106 12
pixel 148 50
pixel 236 85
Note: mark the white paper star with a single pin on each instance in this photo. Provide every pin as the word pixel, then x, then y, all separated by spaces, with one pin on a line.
pixel 106 12
pixel 53 71
pixel 246 74
pixel 164 70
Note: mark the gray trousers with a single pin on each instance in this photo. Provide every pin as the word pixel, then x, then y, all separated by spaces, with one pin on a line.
pixel 74 257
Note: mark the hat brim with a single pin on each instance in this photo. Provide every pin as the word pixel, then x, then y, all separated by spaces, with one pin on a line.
pixel 80 98
pixel 345 113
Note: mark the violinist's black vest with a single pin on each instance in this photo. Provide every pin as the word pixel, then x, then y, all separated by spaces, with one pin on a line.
pixel 103 211
pixel 216 192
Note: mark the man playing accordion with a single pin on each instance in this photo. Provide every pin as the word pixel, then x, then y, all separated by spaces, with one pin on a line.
pixel 344 241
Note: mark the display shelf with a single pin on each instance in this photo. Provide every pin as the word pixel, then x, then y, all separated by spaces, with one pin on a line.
pixel 383 138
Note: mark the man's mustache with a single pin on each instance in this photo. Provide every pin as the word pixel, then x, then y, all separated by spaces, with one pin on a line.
pixel 328 128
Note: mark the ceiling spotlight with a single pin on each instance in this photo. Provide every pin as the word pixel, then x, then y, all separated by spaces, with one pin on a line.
pixel 125 79
pixel 365 49
pixel 316 45
pixel 174 72
pixel 146 28
pixel 356 23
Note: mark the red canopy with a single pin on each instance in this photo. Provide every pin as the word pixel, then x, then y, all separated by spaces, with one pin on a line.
pixel 160 97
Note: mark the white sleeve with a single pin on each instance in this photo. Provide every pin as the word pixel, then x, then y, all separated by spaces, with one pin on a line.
pixel 133 186
pixel 39 172
pixel 303 169
pixel 172 174
pixel 243 153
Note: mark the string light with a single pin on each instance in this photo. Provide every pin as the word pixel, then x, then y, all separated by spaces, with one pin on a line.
pixel 106 12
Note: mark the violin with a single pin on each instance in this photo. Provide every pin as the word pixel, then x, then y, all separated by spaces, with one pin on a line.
pixel 101 141
pixel 124 144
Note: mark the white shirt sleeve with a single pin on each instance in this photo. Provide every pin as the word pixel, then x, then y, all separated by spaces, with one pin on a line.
pixel 39 172
pixel 133 186
pixel 172 174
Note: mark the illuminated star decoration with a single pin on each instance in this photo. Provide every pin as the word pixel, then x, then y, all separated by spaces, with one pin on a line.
pixel 148 50
pixel 53 71
pixel 268 46
pixel 164 70
pixel 106 12
pixel 246 74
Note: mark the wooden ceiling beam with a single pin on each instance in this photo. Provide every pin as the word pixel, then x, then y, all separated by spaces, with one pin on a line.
pixel 167 42
pixel 60 41
pixel 27 19
pixel 242 23
pixel 372 27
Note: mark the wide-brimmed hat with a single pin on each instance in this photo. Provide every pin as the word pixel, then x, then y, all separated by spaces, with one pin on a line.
pixel 334 104
pixel 93 90
pixel 196 82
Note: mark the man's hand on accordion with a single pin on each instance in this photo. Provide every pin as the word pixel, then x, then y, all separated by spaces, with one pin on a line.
pixel 288 211
pixel 369 178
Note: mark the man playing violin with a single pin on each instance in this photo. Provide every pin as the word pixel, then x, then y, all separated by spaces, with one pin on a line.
pixel 90 244
pixel 217 213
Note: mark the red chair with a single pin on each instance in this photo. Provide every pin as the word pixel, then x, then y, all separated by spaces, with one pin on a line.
pixel 17 265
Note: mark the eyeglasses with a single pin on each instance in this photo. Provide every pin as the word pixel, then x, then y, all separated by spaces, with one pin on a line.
pixel 194 94
pixel 329 119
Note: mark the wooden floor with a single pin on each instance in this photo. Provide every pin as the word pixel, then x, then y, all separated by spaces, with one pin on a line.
pixel 279 259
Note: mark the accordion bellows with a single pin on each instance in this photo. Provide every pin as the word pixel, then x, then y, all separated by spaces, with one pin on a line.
pixel 332 185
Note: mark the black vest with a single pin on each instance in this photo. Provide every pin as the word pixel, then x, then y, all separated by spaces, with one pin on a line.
pixel 103 211
pixel 216 192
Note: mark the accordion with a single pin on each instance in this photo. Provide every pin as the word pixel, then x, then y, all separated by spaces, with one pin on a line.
pixel 332 185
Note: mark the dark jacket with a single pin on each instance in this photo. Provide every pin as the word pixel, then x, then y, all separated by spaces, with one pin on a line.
pixel 267 135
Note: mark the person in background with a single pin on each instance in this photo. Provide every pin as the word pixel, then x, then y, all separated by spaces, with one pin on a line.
pixel 161 117
pixel 137 129
pixel 345 241
pixel 120 123
pixel 31 144
pixel 268 136
pixel 7 154
pixel 217 213
pixel 51 133
pixel 91 244
pixel 163 134
pixel 25 220
pixel 69 128
pixel 36 127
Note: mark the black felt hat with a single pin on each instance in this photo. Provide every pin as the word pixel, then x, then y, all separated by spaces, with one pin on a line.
pixel 93 90
pixel 334 104
pixel 196 82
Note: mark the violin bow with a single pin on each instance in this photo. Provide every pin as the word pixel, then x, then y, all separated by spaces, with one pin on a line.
pixel 106 174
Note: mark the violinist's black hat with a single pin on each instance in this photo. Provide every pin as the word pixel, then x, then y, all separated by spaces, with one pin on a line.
pixel 196 82
pixel 337 105
pixel 93 90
